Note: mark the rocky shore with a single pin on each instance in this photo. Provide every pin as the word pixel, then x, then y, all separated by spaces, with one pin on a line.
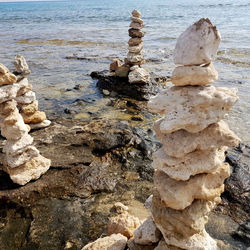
pixel 71 204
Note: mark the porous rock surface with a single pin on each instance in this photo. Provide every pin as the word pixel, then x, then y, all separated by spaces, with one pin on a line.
pixel 180 194
pixel 192 108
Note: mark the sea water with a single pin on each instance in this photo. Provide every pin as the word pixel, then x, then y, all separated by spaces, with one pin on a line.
pixel 51 35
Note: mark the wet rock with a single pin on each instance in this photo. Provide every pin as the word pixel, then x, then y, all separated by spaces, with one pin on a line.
pixel 123 87
pixel 122 71
pixel 97 177
pixel 138 75
pixel 116 63
pixel 237 185
pixel 243 232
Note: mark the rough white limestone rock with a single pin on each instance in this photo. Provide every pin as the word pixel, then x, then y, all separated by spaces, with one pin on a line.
pixel 24 87
pixel 16 147
pixel 139 75
pixel 123 223
pixel 181 223
pixel 194 75
pixel 21 65
pixel 8 92
pixel 147 233
pixel 192 108
pixel 17 160
pixel 135 57
pixel 27 98
pixel 44 124
pixel 201 241
pixel 198 44
pixel 181 142
pixel 112 242
pixel 196 162
pixel 135 49
pixel 31 170
pixel 180 194
pixel 14 132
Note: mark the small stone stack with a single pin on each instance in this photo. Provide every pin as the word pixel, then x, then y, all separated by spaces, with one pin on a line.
pixel 135 58
pixel 26 98
pixel 23 161
pixel 190 168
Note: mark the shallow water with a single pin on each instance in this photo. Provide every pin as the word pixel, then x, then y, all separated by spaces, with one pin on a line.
pixel 47 33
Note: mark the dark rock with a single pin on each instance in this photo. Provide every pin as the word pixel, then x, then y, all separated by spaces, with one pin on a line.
pixel 70 204
pixel 237 186
pixel 243 233
pixel 140 91
pixel 77 87
pixel 134 118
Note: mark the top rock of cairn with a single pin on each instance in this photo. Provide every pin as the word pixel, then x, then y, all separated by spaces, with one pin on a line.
pixel 136 13
pixel 198 44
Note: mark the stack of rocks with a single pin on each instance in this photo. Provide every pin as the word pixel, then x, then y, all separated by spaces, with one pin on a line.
pixel 190 168
pixel 129 78
pixel 23 161
pixel 135 57
pixel 26 98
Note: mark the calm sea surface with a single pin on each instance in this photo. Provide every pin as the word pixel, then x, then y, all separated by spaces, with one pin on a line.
pixel 46 33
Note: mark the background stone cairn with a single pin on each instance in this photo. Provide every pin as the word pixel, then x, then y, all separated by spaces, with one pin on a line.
pixel 135 58
pixel 23 161
pixel 190 168
pixel 26 99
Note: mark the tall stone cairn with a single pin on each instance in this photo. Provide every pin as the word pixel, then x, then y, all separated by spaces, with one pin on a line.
pixel 190 168
pixel 23 161
pixel 26 98
pixel 135 57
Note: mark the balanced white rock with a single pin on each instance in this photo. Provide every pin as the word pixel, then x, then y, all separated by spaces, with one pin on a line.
pixel 190 169
pixel 194 75
pixel 198 44
pixel 23 161
pixel 192 108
